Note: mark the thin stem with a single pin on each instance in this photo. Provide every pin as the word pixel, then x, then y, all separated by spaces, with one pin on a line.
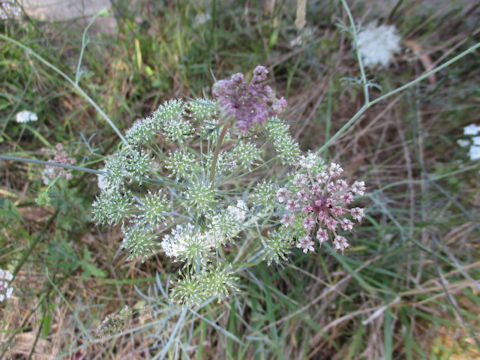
pixel 84 45
pixel 217 151
pixel 393 92
pixel 426 75
pixel 71 82
pixel 49 163
pixel 344 128
pixel 359 58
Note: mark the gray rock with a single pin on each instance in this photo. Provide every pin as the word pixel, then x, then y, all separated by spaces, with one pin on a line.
pixel 67 10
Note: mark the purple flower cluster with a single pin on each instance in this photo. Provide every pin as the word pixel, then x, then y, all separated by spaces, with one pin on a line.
pixel 320 204
pixel 249 103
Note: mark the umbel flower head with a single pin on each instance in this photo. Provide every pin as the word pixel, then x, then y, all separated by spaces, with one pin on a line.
pixel 200 194
pixel 60 156
pixel 317 205
pixel 5 289
pixel 377 44
pixel 248 103
pixel 25 116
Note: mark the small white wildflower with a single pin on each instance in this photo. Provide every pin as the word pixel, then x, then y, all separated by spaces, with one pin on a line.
pixel 213 282
pixel 8 8
pixel 153 207
pixel 188 243
pixel 48 174
pixel 335 169
pixel 476 140
pixel 358 188
pixel 202 18
pixel 471 129
pixel 25 116
pixel 238 212
pixel 308 161
pixel 463 143
pixel 102 182
pixel 111 208
pixel 5 279
pixel 474 152
pixel 377 44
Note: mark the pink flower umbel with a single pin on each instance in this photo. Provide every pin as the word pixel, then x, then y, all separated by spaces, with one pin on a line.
pixel 59 156
pixel 306 244
pixel 249 103
pixel 320 200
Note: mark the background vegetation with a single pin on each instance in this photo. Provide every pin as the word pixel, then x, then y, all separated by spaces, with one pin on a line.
pixel 408 287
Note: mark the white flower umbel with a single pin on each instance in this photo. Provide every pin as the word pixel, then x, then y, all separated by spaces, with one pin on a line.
pixel 189 243
pixel 471 129
pixel 473 141
pixel 25 116
pixel 5 280
pixel 310 161
pixel 102 181
pixel 474 152
pixel 463 142
pixel 377 44
pixel 9 9
pixel 238 212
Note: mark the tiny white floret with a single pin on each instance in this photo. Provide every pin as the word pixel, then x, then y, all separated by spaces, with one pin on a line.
pixel 25 116
pixel 463 143
pixel 474 153
pixel 471 129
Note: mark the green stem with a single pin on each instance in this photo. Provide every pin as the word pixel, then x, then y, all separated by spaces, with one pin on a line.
pixel 359 58
pixel 84 45
pixel 393 92
pixel 49 163
pixel 217 151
